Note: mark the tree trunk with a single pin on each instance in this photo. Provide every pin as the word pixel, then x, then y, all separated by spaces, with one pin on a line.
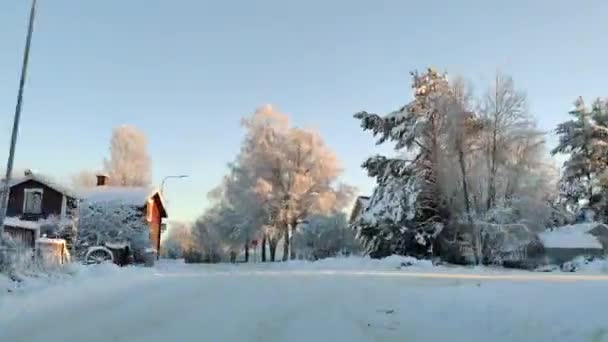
pixel 465 187
pixel 286 243
pixel 264 248
pixel 247 251
pixel 273 249
pixel 292 250
pixel 493 158
pixel 492 179
pixel 465 192
pixel 589 187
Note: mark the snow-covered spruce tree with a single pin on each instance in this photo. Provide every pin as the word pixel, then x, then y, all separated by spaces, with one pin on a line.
pixel 387 225
pixel 407 209
pixel 585 140
pixel 111 223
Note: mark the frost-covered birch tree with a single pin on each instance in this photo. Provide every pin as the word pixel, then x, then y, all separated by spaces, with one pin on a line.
pixel 323 236
pixel 281 175
pixel 178 241
pixel 84 179
pixel 504 110
pixel 129 163
pixel 296 177
pixel 463 132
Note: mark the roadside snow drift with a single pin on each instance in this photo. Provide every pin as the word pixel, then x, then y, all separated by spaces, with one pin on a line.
pixel 335 300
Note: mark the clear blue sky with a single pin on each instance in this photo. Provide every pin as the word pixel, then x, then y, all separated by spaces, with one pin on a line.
pixel 186 71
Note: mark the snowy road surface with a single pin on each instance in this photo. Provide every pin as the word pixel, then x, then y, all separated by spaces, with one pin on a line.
pixel 274 303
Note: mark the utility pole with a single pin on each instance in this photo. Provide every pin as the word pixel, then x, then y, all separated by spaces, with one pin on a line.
pixel 11 154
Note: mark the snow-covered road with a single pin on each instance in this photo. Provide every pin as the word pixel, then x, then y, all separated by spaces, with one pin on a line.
pixel 276 303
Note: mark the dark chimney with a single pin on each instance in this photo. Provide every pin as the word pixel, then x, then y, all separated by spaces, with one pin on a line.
pixel 102 180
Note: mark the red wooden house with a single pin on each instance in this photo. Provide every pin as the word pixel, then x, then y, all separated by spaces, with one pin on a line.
pixel 35 201
pixel 149 201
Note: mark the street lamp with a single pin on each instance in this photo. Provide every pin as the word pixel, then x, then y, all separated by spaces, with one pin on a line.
pixel 11 154
pixel 162 184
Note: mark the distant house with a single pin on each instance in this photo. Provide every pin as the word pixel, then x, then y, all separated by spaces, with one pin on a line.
pixel 147 200
pixel 360 205
pixel 568 242
pixel 35 201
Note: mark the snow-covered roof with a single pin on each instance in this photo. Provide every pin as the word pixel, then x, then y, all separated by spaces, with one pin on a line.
pixel 571 236
pixel 136 196
pixel 585 227
pixel 16 222
pixel 35 225
pixel 48 181
pixel 49 241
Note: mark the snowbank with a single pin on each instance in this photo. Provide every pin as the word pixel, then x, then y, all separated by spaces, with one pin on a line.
pixel 70 275
pixel 192 305
pixel 5 283
pixel 564 237
pixel 586 265
pixel 594 266
pixel 46 293
pixel 393 262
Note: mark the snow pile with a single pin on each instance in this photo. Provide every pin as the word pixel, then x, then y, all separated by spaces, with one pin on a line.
pixel 45 240
pixel 594 266
pixel 31 279
pixel 69 278
pixel 394 262
pixel 574 236
pixel 5 283
pixel 586 265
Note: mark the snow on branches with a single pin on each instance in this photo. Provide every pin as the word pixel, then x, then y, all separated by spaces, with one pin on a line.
pixel 282 175
pixel 463 159
pixel 129 163
pixel 405 209
pixel 585 140
pixel 103 223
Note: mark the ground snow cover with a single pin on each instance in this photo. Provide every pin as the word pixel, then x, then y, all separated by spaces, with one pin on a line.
pixel 349 299
pixel 575 236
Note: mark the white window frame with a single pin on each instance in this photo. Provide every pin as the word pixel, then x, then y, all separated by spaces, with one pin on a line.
pixel 30 190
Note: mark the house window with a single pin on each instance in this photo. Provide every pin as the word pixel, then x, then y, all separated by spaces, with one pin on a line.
pixel 71 209
pixel 32 201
